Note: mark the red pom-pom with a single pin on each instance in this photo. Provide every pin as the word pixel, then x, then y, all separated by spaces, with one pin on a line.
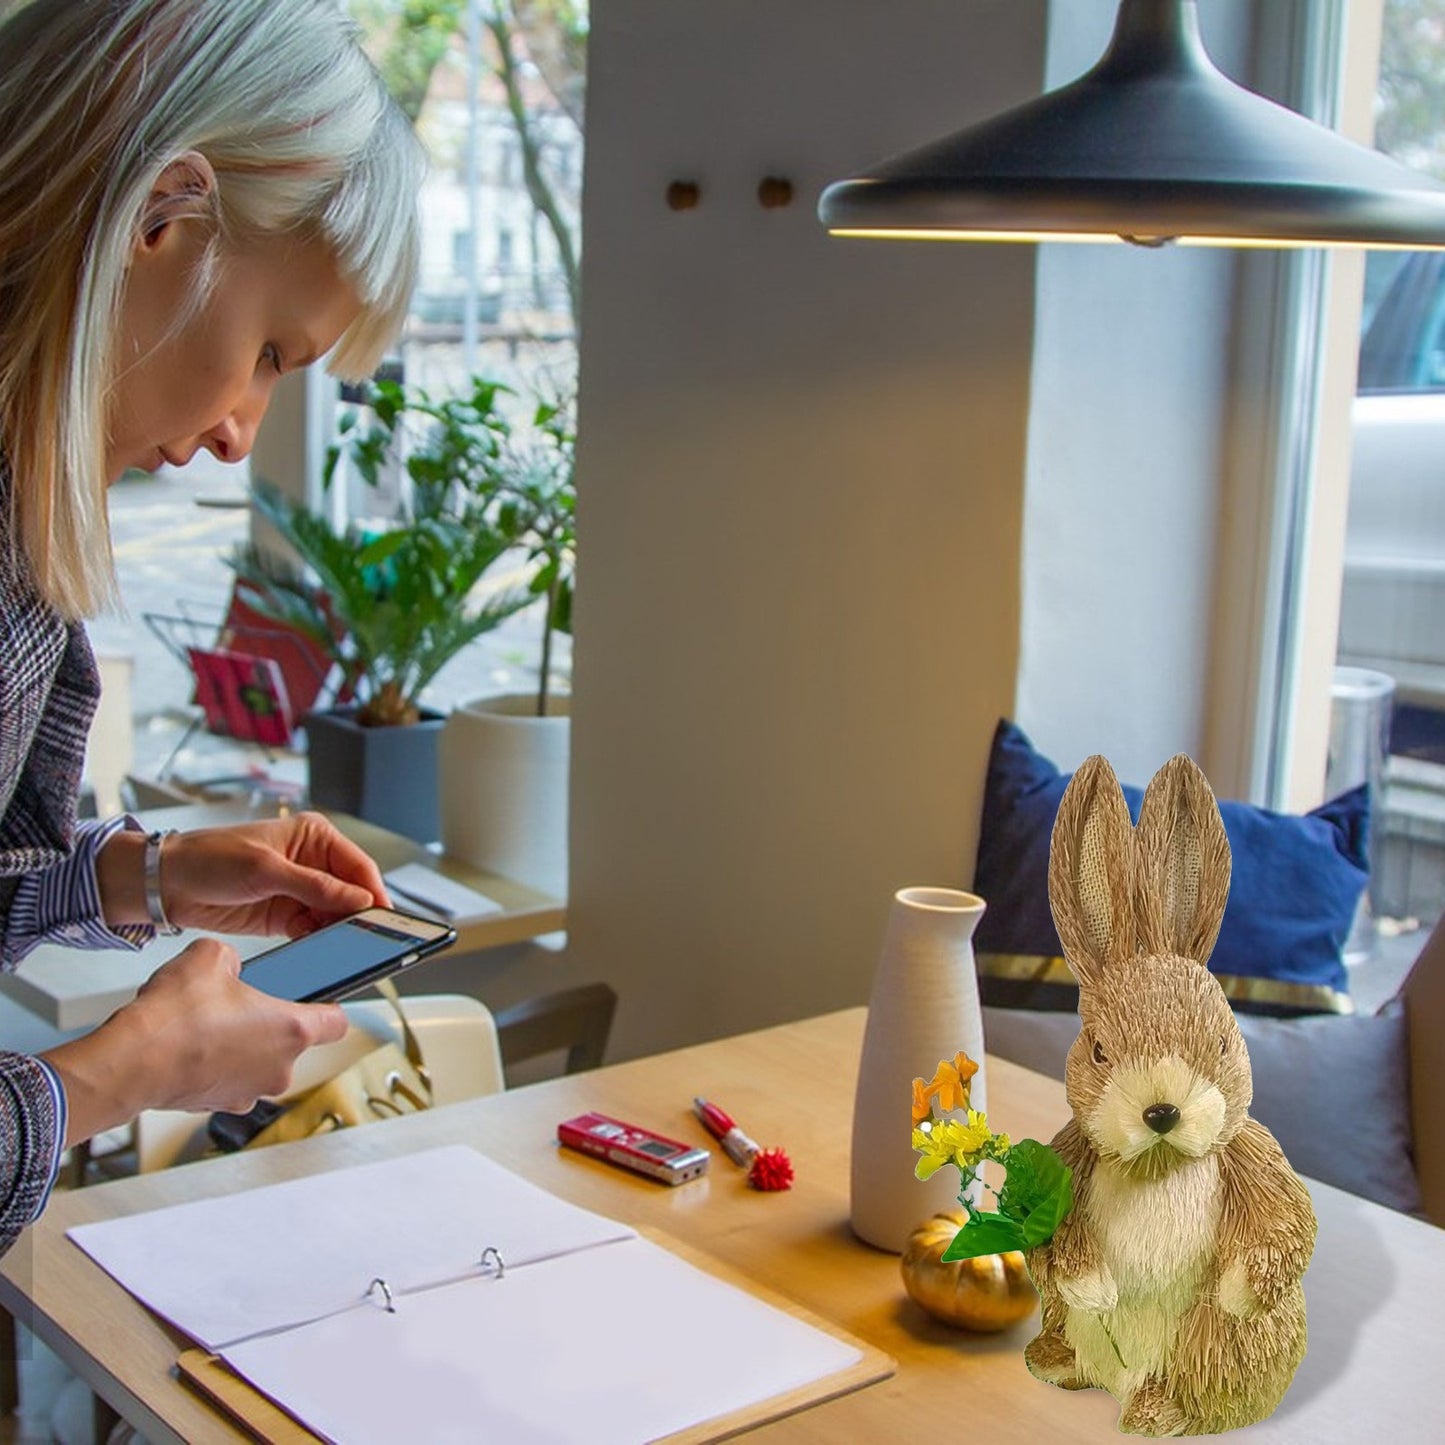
pixel 771 1169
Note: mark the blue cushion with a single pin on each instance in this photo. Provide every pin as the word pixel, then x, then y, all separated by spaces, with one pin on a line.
pixel 1294 888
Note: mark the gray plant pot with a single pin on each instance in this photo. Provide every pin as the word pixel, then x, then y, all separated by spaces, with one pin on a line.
pixel 388 776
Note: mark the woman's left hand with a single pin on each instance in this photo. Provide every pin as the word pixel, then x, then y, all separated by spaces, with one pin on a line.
pixel 283 875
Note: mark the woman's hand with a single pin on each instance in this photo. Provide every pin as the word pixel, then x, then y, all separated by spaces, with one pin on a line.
pixel 280 876
pixel 196 1038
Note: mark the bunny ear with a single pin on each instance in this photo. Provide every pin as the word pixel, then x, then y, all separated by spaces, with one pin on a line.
pixel 1181 863
pixel 1089 864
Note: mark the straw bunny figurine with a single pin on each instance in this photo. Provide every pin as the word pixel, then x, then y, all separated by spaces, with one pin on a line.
pixel 1174 1282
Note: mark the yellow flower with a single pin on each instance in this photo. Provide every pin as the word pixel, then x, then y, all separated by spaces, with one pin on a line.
pixel 935 1150
pixel 954 1141
pixel 966 1141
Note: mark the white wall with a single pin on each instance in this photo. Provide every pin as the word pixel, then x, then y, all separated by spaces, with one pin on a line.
pixel 844 504
pixel 1130 410
pixel 799 507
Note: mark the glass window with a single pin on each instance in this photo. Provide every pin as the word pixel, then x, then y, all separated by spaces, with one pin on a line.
pixel 1392 619
pixel 501 210
pixel 496 297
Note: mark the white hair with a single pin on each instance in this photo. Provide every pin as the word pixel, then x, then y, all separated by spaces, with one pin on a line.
pixel 97 99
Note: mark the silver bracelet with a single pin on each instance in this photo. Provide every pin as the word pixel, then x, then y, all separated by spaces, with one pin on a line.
pixel 155 908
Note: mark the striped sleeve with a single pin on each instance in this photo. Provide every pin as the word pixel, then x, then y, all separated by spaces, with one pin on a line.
pixel 61 904
pixel 32 1135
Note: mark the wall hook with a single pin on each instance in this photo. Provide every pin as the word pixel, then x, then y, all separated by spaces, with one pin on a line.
pixel 774 191
pixel 683 195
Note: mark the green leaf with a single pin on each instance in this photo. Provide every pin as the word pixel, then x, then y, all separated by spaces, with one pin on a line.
pixel 985 1233
pixel 1036 1196
pixel 1038 1191
pixel 383 547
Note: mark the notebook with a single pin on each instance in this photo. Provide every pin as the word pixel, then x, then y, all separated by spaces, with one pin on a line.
pixel 438 1297
pixel 417 885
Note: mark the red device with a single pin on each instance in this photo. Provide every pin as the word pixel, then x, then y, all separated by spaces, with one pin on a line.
pixel 634 1148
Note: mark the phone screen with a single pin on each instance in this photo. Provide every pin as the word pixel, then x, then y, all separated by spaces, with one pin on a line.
pixel 324 963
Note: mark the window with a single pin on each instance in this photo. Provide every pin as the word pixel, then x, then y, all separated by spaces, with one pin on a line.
pixel 489 302
pixel 447 62
pixel 1392 616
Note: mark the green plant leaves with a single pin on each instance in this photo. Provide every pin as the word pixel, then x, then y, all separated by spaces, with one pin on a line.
pixel 393 606
pixel 391 609
pixel 1036 1196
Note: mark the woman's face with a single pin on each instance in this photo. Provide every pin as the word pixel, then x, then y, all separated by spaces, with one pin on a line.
pixel 204 380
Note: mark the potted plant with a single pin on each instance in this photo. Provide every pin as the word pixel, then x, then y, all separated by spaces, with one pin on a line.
pixel 391 605
pixel 505 759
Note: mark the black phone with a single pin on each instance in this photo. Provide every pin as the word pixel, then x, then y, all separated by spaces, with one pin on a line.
pixel 343 958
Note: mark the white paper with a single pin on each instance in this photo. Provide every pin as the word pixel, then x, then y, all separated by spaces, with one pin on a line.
pixel 225 1269
pixel 416 884
pixel 616 1345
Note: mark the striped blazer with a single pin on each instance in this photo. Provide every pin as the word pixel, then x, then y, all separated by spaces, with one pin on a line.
pixel 49 687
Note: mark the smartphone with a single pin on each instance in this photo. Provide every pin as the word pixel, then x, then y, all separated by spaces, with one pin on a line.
pixel 343 958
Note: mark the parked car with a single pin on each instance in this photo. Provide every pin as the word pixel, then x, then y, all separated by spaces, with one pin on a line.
pixel 1392 614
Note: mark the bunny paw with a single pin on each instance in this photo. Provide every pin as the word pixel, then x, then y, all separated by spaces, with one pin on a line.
pixel 1236 1295
pixel 1151 1411
pixel 1094 1292
pixel 1050 1359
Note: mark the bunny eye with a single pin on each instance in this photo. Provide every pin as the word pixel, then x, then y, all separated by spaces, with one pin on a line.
pixel 1100 1057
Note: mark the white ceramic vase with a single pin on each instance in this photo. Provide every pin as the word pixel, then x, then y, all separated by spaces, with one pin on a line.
pixel 924 1008
pixel 504 779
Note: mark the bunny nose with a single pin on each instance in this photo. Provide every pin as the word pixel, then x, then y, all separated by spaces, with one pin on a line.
pixel 1161 1118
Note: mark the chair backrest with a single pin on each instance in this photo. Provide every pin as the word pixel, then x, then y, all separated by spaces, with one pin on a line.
pixel 1424 992
pixel 304 666
pixel 242 696
pixel 577 1020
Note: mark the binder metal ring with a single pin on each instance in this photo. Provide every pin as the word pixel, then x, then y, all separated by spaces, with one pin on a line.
pixel 493 1256
pixel 380 1284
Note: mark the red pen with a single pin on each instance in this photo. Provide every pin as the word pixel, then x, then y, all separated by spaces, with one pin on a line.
pixel 736 1145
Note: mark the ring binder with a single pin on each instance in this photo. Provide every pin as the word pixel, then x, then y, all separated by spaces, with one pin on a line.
pixel 459 1350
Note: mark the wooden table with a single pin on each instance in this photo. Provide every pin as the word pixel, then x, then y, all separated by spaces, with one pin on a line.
pixel 1375 1287
pixel 77 989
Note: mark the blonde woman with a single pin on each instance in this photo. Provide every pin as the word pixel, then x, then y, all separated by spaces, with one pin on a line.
pixel 196 197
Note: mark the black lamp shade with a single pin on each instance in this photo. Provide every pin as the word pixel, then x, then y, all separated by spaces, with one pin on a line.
pixel 1152 145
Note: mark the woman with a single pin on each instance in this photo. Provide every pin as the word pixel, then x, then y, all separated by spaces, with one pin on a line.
pixel 196 197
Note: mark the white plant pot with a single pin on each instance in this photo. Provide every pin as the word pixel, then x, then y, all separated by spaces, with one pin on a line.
pixel 504 779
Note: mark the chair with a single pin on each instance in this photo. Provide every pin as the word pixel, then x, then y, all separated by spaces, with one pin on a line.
pixel 467 1050
pixel 255 679
pixel 577 1020
pixel 1424 994
pixel 458 1039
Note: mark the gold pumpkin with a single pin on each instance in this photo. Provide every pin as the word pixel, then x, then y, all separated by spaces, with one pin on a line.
pixel 986 1294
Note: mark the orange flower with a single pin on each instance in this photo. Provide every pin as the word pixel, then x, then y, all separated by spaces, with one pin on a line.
pixel 965 1066
pixel 950 1084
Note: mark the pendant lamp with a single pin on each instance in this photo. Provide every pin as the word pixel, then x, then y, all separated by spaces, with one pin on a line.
pixel 1153 145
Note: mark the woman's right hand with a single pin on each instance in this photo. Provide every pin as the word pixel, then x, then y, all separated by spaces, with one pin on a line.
pixel 195 1037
